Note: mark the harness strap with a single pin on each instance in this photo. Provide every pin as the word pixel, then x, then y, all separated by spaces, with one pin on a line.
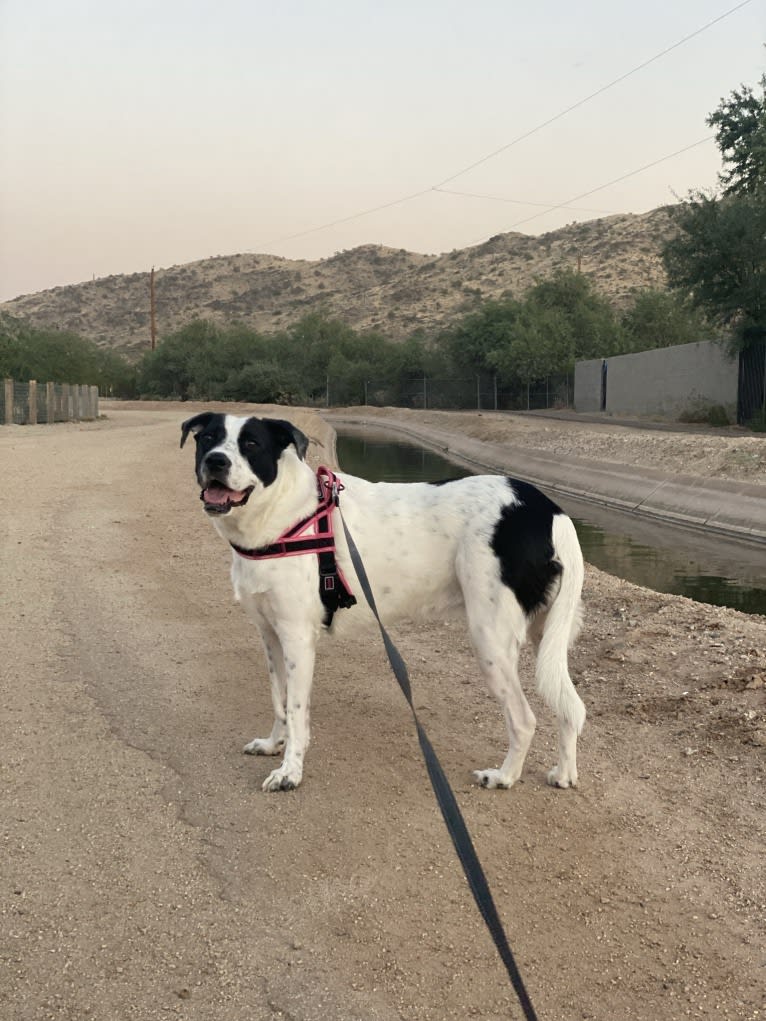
pixel 286 549
pixel 334 590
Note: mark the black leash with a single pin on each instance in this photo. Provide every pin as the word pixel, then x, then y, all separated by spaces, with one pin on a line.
pixel 458 831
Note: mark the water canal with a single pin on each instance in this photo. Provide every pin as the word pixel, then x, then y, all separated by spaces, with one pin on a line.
pixel 663 558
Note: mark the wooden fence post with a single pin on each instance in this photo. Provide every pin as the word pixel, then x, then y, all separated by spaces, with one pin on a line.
pixel 32 412
pixel 50 402
pixel 8 401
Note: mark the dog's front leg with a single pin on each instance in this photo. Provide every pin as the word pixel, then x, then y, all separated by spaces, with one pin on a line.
pixel 298 654
pixel 275 742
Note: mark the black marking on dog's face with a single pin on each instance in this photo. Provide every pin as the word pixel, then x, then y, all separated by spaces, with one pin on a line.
pixel 260 442
pixel 522 544
pixel 196 424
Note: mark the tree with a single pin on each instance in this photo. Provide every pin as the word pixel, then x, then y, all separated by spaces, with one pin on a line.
pixel 661 319
pixel 718 258
pixel 473 341
pixel 541 341
pixel 740 123
pixel 588 327
pixel 308 346
pixel 60 356
pixel 176 368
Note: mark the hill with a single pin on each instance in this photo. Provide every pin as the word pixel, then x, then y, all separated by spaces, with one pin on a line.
pixel 371 287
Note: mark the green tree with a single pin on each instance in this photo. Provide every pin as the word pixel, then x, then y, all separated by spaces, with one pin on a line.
pixel 260 381
pixel 586 326
pixel 718 257
pixel 661 319
pixel 308 346
pixel 60 356
pixel 474 341
pixel 541 339
pixel 740 127
pixel 173 368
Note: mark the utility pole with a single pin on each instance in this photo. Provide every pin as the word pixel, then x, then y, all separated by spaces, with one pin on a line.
pixel 152 310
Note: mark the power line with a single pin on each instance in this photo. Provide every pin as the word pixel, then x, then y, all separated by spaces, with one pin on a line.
pixel 593 95
pixel 516 202
pixel 601 187
pixel 345 219
pixel 513 142
pixel 371 289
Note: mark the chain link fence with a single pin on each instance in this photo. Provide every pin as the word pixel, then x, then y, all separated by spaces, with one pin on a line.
pixel 485 393
pixel 30 403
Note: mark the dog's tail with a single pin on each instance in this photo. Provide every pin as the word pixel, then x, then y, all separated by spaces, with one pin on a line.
pixel 561 626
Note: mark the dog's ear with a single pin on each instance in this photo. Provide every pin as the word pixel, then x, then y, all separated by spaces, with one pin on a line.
pixel 294 435
pixel 195 424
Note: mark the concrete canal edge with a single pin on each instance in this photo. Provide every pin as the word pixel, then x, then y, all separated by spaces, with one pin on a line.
pixel 726 507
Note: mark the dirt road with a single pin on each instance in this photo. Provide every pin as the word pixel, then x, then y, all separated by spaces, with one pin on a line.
pixel 144 875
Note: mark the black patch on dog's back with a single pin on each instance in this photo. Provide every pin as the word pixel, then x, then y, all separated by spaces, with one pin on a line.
pixel 522 544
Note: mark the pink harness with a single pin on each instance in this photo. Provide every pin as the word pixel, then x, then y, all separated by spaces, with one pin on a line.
pixel 314 534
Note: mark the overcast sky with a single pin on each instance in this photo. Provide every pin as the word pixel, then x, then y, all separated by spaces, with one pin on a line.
pixel 147 133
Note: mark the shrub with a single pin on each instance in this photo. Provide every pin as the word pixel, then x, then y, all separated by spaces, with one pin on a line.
pixel 702 412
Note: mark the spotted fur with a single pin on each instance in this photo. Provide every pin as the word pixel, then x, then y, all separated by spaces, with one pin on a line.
pixel 496 548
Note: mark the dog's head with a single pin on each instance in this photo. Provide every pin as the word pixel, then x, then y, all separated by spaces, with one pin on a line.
pixel 236 456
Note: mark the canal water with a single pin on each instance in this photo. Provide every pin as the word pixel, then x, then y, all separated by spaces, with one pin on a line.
pixel 664 558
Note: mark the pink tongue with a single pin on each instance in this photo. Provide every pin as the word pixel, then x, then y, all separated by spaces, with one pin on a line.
pixel 219 495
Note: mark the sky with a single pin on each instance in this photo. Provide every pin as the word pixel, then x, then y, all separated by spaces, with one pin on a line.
pixel 157 132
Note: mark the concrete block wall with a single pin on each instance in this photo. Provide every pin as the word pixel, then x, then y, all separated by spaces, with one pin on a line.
pixel 664 382
pixel 587 385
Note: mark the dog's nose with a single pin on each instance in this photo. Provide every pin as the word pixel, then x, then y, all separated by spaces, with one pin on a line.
pixel 217 462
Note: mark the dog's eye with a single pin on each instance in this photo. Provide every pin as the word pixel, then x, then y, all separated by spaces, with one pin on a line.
pixel 249 444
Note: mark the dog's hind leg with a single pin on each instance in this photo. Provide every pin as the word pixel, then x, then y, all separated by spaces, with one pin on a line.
pixel 559 630
pixel 275 742
pixel 497 650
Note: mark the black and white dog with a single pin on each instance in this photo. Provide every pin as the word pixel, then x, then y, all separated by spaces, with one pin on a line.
pixel 496 547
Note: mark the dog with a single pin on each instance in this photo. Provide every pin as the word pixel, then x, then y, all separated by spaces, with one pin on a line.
pixel 496 547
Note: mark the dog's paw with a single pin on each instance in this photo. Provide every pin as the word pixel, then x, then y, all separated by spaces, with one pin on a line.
pixel 562 778
pixel 264 746
pixel 492 778
pixel 282 779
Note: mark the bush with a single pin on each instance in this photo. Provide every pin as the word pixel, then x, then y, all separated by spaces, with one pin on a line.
pixel 702 412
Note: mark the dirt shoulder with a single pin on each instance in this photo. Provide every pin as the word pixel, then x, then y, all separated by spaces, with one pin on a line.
pixel 146 876
pixel 715 454
pixel 669 490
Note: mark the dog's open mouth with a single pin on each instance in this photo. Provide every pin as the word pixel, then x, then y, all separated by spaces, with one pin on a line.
pixel 219 499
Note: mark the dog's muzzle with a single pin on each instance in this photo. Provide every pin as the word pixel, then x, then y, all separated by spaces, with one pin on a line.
pixel 217 497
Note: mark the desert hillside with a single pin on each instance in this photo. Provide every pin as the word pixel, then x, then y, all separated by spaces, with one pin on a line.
pixel 371 287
